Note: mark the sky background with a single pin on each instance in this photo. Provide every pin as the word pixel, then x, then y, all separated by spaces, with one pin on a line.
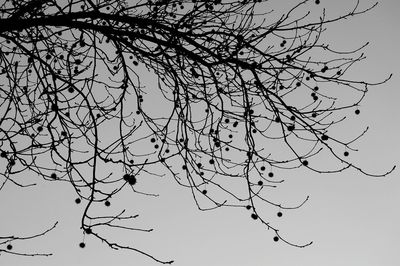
pixel 352 219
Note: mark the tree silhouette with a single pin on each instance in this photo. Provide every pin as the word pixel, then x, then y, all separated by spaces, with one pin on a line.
pixel 221 94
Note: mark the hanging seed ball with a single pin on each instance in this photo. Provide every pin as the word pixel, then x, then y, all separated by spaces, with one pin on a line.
pixel 270 174
pixel 279 214
pixel 82 245
pixel 290 128
pixel 276 239
pixel 132 180
pixel 254 216
pixel 77 200
pixel 9 247
pixel 248 207
pixel 346 153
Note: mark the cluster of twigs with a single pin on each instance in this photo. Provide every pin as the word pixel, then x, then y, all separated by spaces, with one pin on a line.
pixel 232 82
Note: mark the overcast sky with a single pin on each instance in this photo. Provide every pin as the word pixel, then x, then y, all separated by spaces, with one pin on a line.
pixel 352 219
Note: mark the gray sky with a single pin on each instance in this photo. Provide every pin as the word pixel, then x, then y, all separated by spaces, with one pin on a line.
pixel 352 219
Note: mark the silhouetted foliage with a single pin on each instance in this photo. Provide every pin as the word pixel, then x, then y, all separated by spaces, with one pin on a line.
pixel 234 79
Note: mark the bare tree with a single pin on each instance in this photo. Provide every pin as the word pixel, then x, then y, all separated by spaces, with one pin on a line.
pixel 233 82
